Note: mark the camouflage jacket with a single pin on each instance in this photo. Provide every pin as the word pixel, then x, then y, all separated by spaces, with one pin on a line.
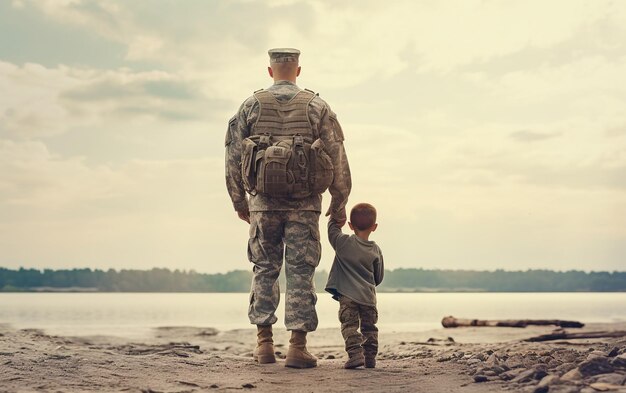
pixel 323 119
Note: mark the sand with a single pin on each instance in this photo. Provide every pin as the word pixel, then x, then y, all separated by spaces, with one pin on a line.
pixel 195 359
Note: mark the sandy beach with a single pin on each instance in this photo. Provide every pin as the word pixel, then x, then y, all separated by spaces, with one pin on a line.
pixel 193 359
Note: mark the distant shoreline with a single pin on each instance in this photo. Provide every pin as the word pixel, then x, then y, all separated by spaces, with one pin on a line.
pixel 387 290
pixel 397 280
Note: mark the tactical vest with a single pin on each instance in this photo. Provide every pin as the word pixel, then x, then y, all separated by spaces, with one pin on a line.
pixel 284 157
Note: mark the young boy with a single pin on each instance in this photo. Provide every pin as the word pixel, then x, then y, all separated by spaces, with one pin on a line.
pixel 356 271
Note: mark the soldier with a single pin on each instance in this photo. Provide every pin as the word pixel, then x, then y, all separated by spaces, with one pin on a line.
pixel 286 225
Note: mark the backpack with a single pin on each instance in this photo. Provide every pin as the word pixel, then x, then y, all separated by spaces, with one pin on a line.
pixel 282 158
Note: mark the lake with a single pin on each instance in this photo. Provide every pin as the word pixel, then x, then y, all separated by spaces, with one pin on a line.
pixel 134 314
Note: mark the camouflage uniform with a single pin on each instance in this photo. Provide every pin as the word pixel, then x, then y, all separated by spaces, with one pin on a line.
pixel 353 314
pixel 284 226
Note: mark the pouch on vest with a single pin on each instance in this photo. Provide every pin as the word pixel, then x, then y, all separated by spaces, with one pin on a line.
pixel 248 164
pixel 277 166
pixel 273 177
pixel 322 170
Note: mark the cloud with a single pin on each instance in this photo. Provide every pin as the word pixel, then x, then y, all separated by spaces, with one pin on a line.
pixel 532 136
pixel 601 37
pixel 42 102
pixel 115 89
pixel 61 211
pixel 154 94
pixel 616 131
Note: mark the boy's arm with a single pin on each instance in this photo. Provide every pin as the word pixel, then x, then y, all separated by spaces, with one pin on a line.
pixel 379 268
pixel 334 233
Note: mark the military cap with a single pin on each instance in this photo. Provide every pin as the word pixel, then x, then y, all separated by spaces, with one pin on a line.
pixel 283 55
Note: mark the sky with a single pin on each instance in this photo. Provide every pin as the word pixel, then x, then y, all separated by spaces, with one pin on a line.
pixel 488 134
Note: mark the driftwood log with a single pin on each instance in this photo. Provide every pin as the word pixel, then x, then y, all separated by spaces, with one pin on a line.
pixel 452 322
pixel 563 335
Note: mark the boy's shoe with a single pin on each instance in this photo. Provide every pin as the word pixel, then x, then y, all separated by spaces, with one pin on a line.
pixel 355 361
pixel 370 362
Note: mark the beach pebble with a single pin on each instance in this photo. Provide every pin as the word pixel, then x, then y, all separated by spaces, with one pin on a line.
pixel 564 389
pixel 248 386
pixel 565 367
pixel 473 362
pixel 330 356
pixel 613 352
pixel 506 376
pixel 604 387
pixel 539 374
pixel 492 360
pixel 619 361
pixel 572 375
pixel 480 356
pixel 496 370
pixel 595 366
pixel 524 376
pixel 549 379
pixel 595 354
pixel 553 364
pixel 613 378
pixel 568 356
pixel 499 369
pixel 445 358
pixel 480 378
pixel 515 361
pixel 544 359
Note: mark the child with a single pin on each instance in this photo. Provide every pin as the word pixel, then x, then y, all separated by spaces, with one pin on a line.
pixel 356 271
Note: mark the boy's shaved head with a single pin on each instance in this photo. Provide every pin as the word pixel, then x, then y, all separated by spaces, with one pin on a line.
pixel 363 216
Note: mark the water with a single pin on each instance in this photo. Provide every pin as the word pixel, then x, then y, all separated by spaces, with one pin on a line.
pixel 135 314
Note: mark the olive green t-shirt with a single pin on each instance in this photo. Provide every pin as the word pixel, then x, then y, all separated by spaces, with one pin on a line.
pixel 357 269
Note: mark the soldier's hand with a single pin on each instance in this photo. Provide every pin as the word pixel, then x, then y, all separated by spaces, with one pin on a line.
pixel 244 215
pixel 339 216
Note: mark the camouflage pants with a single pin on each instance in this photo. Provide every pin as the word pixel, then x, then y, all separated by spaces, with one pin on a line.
pixel 352 316
pixel 294 234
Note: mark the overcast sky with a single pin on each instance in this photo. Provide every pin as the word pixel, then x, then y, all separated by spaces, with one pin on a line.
pixel 489 134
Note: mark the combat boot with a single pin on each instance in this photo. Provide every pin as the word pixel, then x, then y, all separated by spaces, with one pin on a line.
pixel 355 360
pixel 264 351
pixel 297 355
pixel 370 361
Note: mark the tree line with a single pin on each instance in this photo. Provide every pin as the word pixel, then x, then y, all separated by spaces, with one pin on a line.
pixel 398 280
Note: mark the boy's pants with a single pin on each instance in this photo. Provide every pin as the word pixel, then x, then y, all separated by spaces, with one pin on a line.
pixel 350 314
pixel 293 235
